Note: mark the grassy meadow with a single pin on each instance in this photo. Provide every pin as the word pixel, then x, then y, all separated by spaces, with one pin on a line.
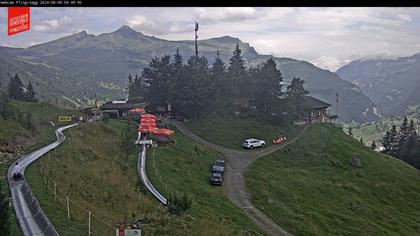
pixel 231 131
pixel 186 168
pixel 302 191
pixel 90 169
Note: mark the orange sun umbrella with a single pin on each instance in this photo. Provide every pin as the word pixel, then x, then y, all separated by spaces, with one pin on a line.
pixel 146 129
pixel 148 124
pixel 148 120
pixel 136 110
pixel 163 131
pixel 148 116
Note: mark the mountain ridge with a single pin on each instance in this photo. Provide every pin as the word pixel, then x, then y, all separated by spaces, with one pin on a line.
pixel 391 83
pixel 108 58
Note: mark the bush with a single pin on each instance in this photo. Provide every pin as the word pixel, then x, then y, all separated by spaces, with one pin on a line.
pixel 179 206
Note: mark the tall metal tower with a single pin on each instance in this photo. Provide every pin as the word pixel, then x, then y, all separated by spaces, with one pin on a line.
pixel 196 36
pixel 337 102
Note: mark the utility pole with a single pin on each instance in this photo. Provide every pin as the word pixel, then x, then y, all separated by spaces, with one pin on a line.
pixel 196 37
pixel 68 208
pixel 337 102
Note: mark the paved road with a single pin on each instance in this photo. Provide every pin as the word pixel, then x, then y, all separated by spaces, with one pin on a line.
pixel 32 219
pixel 235 186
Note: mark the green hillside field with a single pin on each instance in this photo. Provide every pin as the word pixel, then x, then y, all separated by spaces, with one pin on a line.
pixel 301 190
pixel 91 170
pixel 15 137
pixel 231 131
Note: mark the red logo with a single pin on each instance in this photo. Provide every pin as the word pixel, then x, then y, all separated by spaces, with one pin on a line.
pixel 18 20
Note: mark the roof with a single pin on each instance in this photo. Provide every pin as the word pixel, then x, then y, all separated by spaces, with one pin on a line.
pixel 315 103
pixel 117 106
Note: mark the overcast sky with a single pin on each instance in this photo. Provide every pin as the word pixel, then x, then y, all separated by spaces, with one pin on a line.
pixel 327 37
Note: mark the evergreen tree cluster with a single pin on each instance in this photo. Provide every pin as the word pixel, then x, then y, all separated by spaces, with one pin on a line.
pixel 194 88
pixel 17 91
pixel 403 143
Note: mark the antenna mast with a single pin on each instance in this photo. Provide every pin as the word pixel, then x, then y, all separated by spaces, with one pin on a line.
pixel 196 36
pixel 337 103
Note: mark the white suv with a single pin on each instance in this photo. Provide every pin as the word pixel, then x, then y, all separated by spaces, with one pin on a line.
pixel 253 143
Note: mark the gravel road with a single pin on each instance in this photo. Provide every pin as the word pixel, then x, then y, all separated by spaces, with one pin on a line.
pixel 235 186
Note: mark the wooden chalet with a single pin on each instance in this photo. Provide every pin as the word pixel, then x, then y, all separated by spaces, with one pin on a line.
pixel 317 112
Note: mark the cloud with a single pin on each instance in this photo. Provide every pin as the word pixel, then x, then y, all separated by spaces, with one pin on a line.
pixel 143 24
pixel 231 14
pixel 146 25
pixel 63 24
pixel 327 37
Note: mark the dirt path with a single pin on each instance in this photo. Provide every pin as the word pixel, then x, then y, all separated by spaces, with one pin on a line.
pixel 235 186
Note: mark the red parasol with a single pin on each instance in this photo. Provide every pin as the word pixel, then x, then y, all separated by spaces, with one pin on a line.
pixel 148 124
pixel 136 110
pixel 163 131
pixel 148 120
pixel 144 129
pixel 148 116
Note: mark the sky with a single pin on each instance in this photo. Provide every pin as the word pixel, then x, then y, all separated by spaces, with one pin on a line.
pixel 326 37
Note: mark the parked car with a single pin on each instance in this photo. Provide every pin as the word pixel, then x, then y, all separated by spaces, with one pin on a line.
pixel 216 178
pixel 253 143
pixel 219 166
pixel 17 176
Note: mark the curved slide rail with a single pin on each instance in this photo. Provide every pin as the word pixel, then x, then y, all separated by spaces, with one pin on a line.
pixel 141 171
pixel 32 218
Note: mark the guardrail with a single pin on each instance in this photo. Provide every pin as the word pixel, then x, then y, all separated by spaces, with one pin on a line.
pixel 31 217
pixel 141 171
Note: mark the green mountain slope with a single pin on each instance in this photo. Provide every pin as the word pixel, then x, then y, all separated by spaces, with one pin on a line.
pixel 90 61
pixel 301 190
pixel 392 84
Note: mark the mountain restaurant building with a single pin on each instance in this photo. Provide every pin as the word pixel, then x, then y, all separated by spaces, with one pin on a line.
pixel 317 112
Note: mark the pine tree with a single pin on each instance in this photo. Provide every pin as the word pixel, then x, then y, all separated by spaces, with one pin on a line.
pixel 176 74
pixel 391 142
pixel 296 88
pixel 373 145
pixel 237 64
pixel 178 62
pixel 218 70
pixel 404 130
pixel 30 95
pixel 219 81
pixel 4 214
pixel 268 91
pixel 412 130
pixel 409 147
pixel 158 75
pixel 194 88
pixel 130 86
pixel 15 88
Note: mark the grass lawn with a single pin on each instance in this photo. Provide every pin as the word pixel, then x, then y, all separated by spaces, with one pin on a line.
pixel 301 191
pixel 90 169
pixel 185 168
pixel 230 131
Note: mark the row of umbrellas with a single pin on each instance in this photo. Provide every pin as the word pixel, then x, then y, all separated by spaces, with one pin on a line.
pixel 148 124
